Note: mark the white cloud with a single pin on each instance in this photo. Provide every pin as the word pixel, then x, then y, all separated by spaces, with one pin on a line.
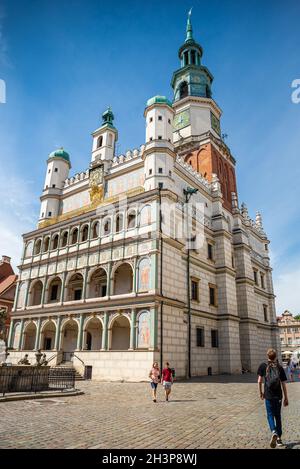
pixel 287 291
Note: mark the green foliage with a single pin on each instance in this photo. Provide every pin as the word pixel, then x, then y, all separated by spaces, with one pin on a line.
pixel 297 317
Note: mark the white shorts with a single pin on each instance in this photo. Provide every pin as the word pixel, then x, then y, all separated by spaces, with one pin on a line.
pixel 167 384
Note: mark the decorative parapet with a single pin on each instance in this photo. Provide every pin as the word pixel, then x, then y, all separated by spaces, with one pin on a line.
pixel 130 155
pixel 76 178
pixel 256 224
pixel 188 168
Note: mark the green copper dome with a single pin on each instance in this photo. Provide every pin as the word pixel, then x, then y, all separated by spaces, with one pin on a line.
pixel 60 153
pixel 159 100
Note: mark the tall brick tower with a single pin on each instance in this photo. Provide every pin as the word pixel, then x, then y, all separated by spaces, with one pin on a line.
pixel 197 119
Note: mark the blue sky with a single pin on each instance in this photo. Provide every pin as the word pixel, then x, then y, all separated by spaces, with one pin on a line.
pixel 65 61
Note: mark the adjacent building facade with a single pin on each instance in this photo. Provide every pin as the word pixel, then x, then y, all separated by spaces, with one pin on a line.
pixel 148 255
pixel 8 281
pixel 289 328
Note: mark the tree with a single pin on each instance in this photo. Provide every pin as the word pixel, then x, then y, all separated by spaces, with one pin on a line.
pixel 3 317
pixel 297 317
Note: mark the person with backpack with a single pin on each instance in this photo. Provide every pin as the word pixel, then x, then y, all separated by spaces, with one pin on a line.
pixel 154 375
pixel 167 379
pixel 274 385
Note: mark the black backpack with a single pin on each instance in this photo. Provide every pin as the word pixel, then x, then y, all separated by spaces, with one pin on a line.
pixel 272 376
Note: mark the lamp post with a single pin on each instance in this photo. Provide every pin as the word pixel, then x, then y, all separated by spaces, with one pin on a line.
pixel 188 192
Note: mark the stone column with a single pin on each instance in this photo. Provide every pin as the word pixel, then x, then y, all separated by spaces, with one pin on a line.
pixel 104 345
pixel 10 334
pixel 57 334
pixel 26 294
pixel 153 328
pixel 20 345
pixel 109 280
pixel 37 337
pixel 80 331
pixel 132 330
pixel 43 292
pixel 85 283
pixel 62 292
pixel 134 280
pixel 16 296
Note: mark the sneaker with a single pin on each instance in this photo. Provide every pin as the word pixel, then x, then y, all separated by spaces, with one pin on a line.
pixel 273 440
pixel 279 442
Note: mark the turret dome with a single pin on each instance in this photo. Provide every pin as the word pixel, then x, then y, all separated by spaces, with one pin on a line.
pixel 158 100
pixel 60 153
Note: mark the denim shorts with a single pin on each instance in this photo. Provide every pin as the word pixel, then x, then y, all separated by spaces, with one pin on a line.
pixel 153 385
pixel 167 384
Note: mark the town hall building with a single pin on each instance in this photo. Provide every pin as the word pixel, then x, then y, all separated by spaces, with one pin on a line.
pixel 148 256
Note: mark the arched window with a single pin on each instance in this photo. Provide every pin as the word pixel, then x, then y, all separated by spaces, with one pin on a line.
pixel 36 293
pixel 64 239
pixel 119 222
pixel 95 232
pixel 106 226
pixel 29 249
pixel 123 279
pixel 145 215
pixel 183 90
pixel 55 242
pixel 131 219
pixel 37 247
pixel 54 290
pixel 100 142
pixel 46 244
pixel 74 236
pixel 98 284
pixel 185 58
pixel 85 233
pixel 193 57
pixel 29 336
pixel 75 287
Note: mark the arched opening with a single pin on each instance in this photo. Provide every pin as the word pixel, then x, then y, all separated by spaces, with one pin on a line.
pixel 46 244
pixel 16 339
pixel 123 279
pixel 95 232
pixel 64 239
pixel 37 247
pixel 29 336
pixel 69 338
pixel 35 294
pixel 106 226
pixel 55 241
pixel 131 219
pixel 93 335
pixel 193 57
pixel 75 287
pixel 98 284
pixel 84 233
pixel 54 290
pixel 120 334
pixel 29 249
pixel 74 236
pixel 48 336
pixel 100 142
pixel 183 90
pixel 145 215
pixel 119 222
pixel 185 58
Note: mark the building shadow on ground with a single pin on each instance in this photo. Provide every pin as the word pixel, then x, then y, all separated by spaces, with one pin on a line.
pixel 292 445
pixel 226 379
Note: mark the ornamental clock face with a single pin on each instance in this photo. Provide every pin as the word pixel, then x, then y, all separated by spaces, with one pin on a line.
pixel 215 123
pixel 96 176
pixel 181 120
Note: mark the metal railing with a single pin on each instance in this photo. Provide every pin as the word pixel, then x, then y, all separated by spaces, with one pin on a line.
pixel 33 379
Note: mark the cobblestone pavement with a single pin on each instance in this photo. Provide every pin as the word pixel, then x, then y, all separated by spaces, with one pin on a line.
pixel 210 412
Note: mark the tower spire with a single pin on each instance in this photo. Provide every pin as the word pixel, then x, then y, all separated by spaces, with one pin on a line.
pixel 189 29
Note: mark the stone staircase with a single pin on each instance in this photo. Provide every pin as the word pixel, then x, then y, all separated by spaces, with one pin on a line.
pixel 78 376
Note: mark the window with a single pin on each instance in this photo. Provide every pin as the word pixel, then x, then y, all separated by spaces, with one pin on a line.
pixel 99 142
pixel 200 336
pixel 210 251
pixel 55 242
pixel 150 172
pixel 48 171
pixel 77 294
pixel 159 137
pixel 55 170
pixel 214 338
pixel 49 214
pixel 151 119
pixel 160 118
pixel 107 227
pixel 160 185
pixel 160 170
pixel 53 186
pixel 262 280
pixel 195 290
pixel 170 173
pixel 54 291
pixel 255 277
pixel 266 247
pixel 265 307
pixel 119 222
pixel 95 233
pixel 183 90
pixel 193 57
pixel 212 295
pixel 75 236
pixel 151 138
pixel 169 121
pixel 131 220
pixel 85 233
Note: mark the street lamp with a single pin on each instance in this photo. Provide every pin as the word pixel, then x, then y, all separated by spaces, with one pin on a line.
pixel 188 192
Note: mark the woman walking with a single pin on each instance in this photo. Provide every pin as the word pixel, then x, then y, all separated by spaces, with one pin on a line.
pixel 154 375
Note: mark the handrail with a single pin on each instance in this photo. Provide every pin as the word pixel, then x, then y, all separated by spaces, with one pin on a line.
pixel 78 359
pixel 51 358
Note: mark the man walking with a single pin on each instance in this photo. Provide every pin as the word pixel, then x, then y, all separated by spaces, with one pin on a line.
pixel 274 384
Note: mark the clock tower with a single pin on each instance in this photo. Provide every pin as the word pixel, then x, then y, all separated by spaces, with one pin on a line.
pixel 196 111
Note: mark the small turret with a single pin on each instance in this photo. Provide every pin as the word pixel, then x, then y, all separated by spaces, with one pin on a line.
pixel 104 139
pixel 58 166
